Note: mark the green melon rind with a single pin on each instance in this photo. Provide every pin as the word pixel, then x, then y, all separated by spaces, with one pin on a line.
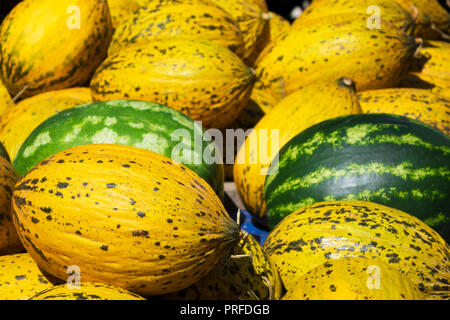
pixel 391 160
pixel 146 125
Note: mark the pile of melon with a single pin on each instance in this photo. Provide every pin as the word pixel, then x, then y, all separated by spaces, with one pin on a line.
pixel 113 116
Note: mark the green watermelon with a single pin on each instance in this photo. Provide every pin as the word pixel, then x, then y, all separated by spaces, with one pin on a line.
pixel 382 158
pixel 146 125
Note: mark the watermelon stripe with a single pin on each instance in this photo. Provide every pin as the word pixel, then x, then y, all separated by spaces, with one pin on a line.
pixel 384 195
pixel 404 170
pixel 340 139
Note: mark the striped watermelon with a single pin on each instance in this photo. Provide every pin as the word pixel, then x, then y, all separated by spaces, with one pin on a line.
pixel 382 158
pixel 135 123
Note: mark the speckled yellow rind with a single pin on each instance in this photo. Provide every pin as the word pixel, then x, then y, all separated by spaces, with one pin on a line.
pixel 20 277
pixel 54 44
pixel 121 9
pixel 330 48
pixel 204 80
pixel 331 230
pixel 390 13
pixel 420 81
pixel 279 26
pixel 253 21
pixel 419 104
pixel 86 291
pixel 126 216
pixel 196 19
pixel 354 279
pixel 434 62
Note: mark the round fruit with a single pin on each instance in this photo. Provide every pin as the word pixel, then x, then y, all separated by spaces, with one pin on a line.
pixel 53 44
pixel 354 279
pixel 330 48
pixel 125 216
pixel 434 61
pixel 326 231
pixel 440 18
pixel 390 13
pixel 279 26
pixel 202 79
pixel 164 19
pixel 383 158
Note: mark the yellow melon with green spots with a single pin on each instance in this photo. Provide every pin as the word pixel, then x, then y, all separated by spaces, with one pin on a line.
pixel 354 279
pixel 125 216
pixel 329 48
pixel 20 277
pixel 200 78
pixel 121 10
pixel 326 231
pixel 53 44
pixel 164 19
pixel 418 104
pixel 253 20
pixel 86 291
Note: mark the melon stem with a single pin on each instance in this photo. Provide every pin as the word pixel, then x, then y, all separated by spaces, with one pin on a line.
pixel 17 96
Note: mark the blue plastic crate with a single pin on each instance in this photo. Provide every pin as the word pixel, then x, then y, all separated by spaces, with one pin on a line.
pixel 249 226
pixel 247 221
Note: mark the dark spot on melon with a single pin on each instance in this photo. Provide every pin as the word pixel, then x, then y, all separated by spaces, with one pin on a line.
pixel 46 209
pixel 140 233
pixel 141 214
pixel 62 185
